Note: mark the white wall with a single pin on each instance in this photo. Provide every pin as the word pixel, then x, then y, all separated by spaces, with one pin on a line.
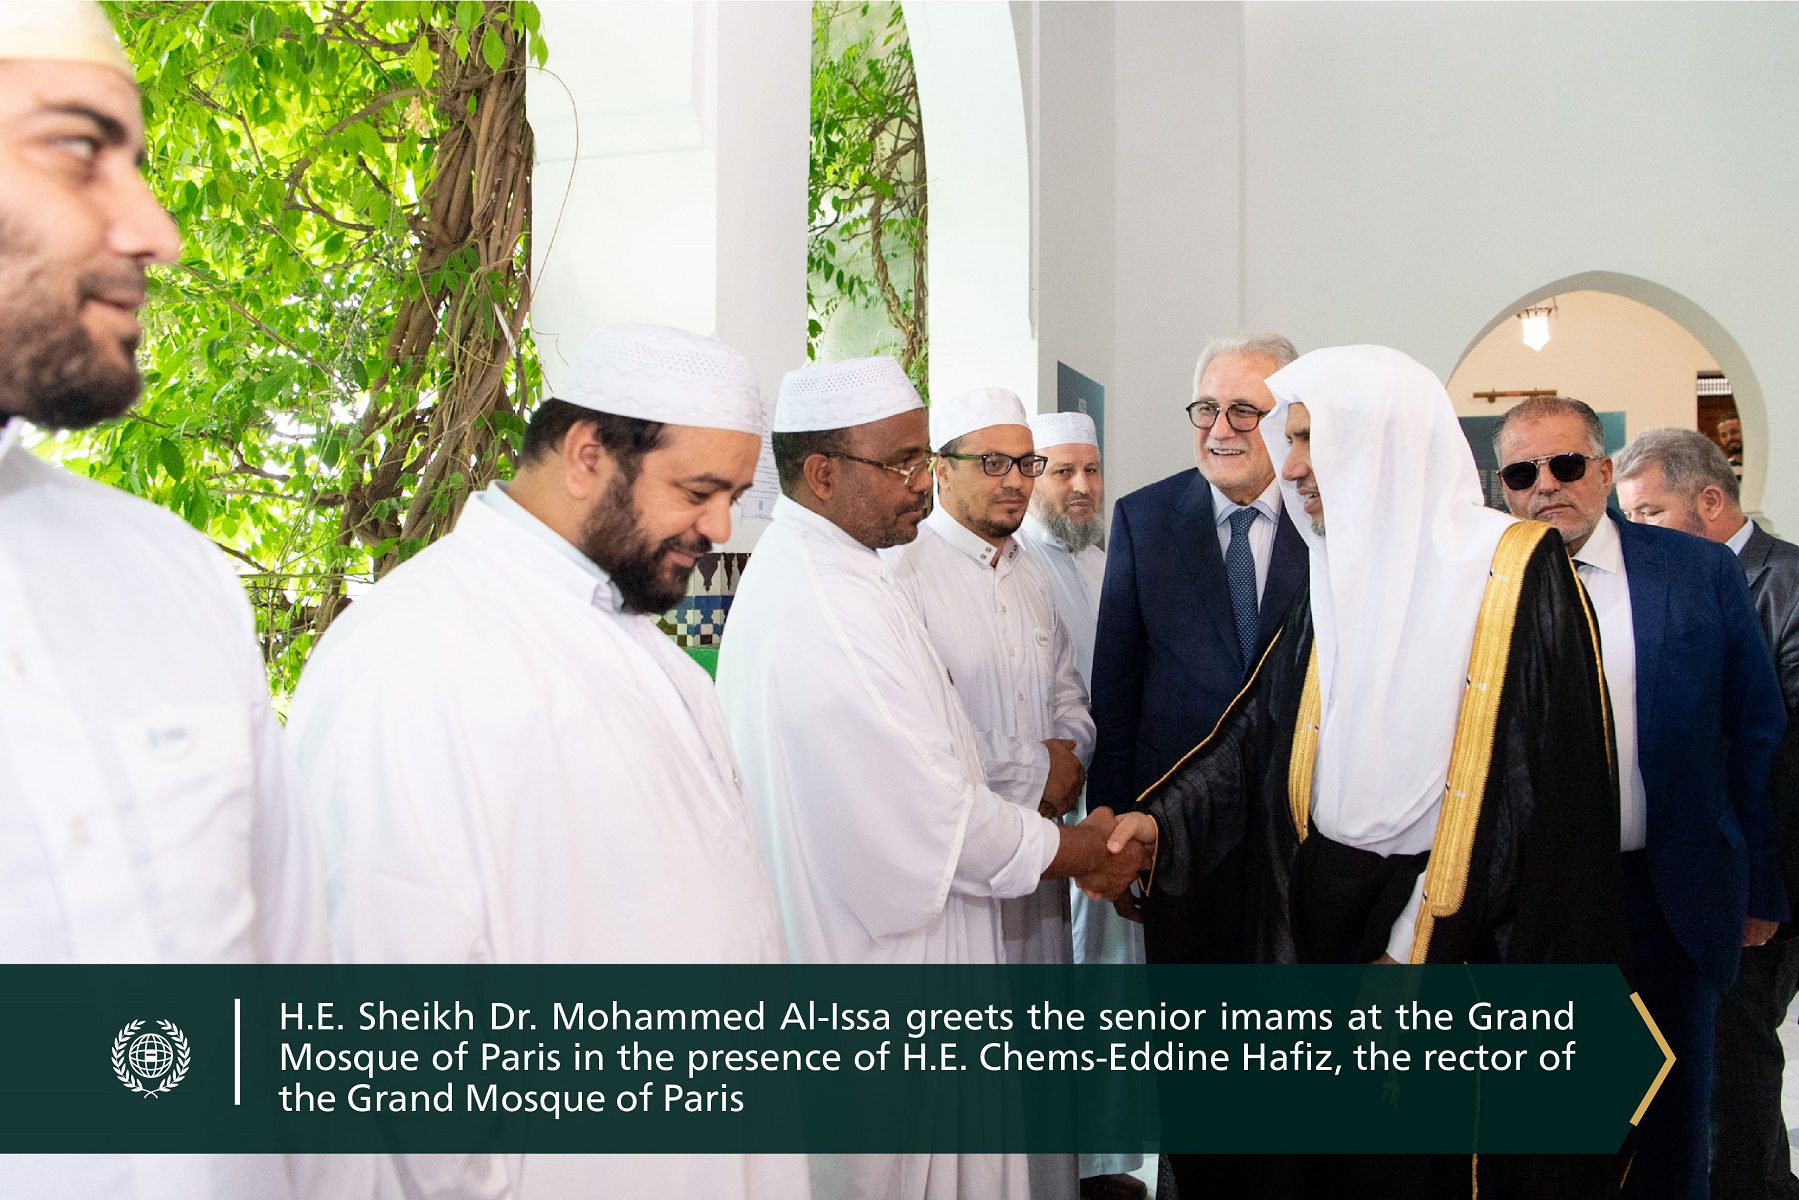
pixel 1414 173
pixel 978 263
pixel 1417 170
pixel 671 178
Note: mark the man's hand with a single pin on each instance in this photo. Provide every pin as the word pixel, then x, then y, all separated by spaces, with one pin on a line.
pixel 1115 871
pixel 1133 827
pixel 1756 931
pixel 1129 907
pixel 1062 790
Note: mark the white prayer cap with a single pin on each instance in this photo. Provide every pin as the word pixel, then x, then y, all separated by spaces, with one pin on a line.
pixel 60 31
pixel 973 410
pixel 656 373
pixel 838 395
pixel 1063 429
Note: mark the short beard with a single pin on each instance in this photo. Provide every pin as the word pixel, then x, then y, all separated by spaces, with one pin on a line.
pixel 51 372
pixel 1318 524
pixel 1073 536
pixel 614 540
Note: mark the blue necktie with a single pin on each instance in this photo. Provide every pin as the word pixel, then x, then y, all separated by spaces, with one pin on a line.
pixel 1240 570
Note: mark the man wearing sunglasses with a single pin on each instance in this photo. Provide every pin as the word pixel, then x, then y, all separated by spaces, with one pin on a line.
pixel 1698 717
pixel 1200 569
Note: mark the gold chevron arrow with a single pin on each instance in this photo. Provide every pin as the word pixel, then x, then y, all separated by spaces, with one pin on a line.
pixel 1667 1058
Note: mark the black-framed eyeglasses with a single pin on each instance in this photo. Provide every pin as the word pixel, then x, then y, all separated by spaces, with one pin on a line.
pixel 1242 417
pixel 908 472
pixel 997 464
pixel 1520 476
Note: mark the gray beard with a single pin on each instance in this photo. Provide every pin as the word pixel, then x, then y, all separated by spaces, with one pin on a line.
pixel 1073 536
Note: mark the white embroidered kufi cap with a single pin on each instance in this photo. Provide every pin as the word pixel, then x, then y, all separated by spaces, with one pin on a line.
pixel 60 31
pixel 656 373
pixel 1063 429
pixel 974 410
pixel 838 395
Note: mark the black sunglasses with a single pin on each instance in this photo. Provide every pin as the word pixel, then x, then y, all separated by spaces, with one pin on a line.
pixel 1519 476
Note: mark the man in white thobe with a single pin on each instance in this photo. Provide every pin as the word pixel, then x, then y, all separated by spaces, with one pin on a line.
pixel 865 776
pixel 1062 532
pixel 511 763
pixel 990 612
pixel 145 815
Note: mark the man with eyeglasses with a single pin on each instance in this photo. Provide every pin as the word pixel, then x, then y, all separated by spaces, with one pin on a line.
pixel 1419 769
pixel 885 840
pixel 1200 569
pixel 990 611
pixel 1698 716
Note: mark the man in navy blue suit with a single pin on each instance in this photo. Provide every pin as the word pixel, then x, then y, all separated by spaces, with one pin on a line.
pixel 1200 569
pixel 1698 717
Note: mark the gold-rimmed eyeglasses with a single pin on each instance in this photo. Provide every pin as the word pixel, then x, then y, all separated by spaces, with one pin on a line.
pixel 908 472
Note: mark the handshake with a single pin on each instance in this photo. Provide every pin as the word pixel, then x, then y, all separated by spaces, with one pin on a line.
pixel 1110 852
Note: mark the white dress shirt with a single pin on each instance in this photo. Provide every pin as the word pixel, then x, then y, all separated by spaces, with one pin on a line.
pixel 1600 564
pixel 145 808
pixel 1740 538
pixel 1267 508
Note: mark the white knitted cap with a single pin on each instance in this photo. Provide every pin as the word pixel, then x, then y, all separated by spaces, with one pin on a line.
pixel 61 31
pixel 838 395
pixel 1063 429
pixel 656 373
pixel 972 410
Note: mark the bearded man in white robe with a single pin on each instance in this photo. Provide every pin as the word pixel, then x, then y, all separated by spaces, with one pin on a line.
pixel 511 763
pixel 884 841
pixel 145 815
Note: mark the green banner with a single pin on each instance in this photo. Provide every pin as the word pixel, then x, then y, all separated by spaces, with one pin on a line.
pixel 847 1059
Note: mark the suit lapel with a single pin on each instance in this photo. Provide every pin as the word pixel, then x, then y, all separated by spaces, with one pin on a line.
pixel 1646 574
pixel 1755 556
pixel 1202 562
pixel 1288 567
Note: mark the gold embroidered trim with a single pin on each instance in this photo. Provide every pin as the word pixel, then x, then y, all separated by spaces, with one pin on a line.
pixel 1305 749
pixel 1222 718
pixel 1446 875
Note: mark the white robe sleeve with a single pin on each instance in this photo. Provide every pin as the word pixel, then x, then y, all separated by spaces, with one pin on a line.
pixel 892 804
pixel 1016 767
pixel 1068 696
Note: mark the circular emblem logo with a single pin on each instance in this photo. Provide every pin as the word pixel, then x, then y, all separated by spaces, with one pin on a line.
pixel 148 1062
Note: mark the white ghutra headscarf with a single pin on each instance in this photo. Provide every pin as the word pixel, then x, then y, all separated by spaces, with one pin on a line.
pixel 1396 585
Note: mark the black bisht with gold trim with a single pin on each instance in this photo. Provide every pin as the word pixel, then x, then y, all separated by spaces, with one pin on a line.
pixel 1524 866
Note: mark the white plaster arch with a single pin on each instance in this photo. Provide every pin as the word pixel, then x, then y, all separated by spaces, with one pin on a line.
pixel 1717 341
pixel 977 168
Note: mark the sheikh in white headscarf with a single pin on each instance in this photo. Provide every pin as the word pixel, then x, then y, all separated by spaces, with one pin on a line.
pixel 1396 585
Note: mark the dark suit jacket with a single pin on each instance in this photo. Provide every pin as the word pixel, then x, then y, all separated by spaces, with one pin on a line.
pixel 1709 722
pixel 1772 568
pixel 1166 660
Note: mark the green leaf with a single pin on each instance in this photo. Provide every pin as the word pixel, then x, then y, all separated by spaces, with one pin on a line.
pixel 493 51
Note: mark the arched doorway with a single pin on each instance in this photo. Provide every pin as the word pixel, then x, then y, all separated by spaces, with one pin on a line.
pixel 1625 345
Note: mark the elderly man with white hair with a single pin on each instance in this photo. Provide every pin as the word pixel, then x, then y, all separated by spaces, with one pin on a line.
pixel 145 812
pixel 513 764
pixel 1420 768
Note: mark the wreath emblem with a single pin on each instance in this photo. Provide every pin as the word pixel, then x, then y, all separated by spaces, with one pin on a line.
pixel 148 1062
